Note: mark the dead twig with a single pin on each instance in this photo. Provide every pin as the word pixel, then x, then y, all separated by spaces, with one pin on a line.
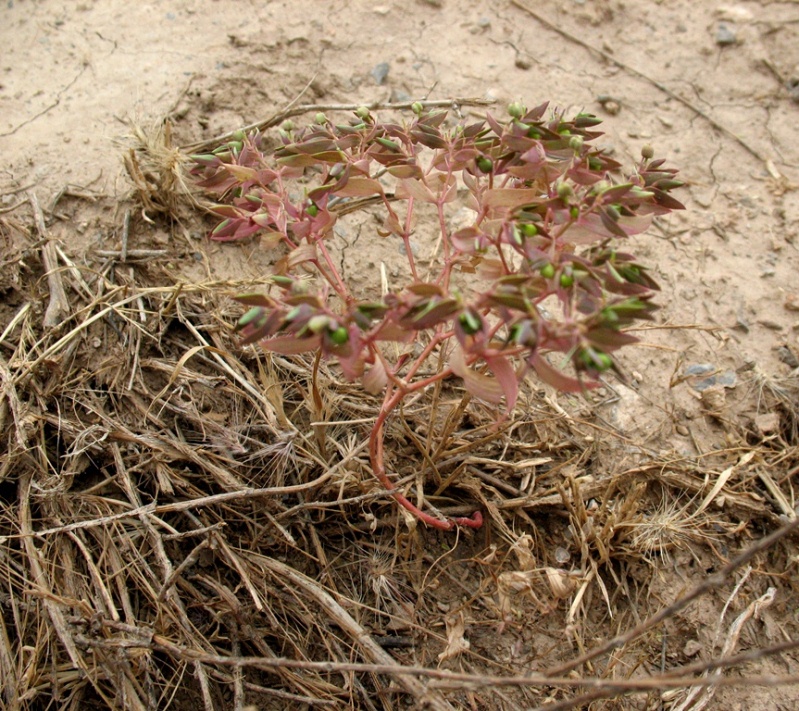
pixel 278 118
pixel 58 308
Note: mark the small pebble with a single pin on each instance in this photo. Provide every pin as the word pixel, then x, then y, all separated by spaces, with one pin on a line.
pixel 741 322
pixel 699 369
pixel 691 648
pixel 611 105
pixel 787 356
pixel 791 302
pixel 380 73
pixel 522 63
pixel 682 430
pixel 414 248
pixel 724 35
pixel 767 423
pixel 714 399
pixel 562 555
pixel 727 379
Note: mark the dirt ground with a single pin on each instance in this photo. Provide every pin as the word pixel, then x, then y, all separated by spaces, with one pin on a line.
pixel 104 411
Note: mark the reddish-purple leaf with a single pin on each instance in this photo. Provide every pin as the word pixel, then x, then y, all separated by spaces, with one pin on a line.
pixel 375 378
pixel 360 187
pixel 502 369
pixel 254 300
pixel 559 381
pixel 303 253
pixel 481 386
pixel 510 198
pixel 291 345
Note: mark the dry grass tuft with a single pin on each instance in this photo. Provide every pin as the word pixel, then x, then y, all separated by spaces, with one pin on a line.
pixel 158 171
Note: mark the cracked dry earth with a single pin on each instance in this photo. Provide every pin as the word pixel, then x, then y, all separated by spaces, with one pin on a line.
pixel 711 85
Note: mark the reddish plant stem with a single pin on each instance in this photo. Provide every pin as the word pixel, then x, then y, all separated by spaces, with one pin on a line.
pixel 390 402
pixel 394 396
pixel 338 284
pixel 406 238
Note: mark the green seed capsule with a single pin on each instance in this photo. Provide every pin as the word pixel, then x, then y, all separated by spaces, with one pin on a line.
pixel 485 164
pixel 318 323
pixel 320 119
pixel 595 360
pixel 548 271
pixel 529 229
pixel 471 322
pixel 312 210
pixel 205 158
pixel 566 280
pixel 388 143
pixel 604 361
pixel 647 152
pixel 362 112
pixel 516 109
pixel 417 107
pixel 340 336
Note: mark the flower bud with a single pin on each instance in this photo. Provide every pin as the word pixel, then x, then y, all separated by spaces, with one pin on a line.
pixel 647 152
pixel 417 107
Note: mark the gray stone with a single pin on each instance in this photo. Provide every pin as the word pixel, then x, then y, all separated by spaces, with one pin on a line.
pixel 725 36
pixel 380 73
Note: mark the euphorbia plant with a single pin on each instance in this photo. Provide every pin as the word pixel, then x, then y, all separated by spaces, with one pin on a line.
pixel 536 272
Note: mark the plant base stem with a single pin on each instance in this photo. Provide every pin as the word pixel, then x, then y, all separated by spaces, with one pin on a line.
pixel 376 458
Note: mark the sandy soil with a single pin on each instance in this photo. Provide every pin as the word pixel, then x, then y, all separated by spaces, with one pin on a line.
pixel 714 87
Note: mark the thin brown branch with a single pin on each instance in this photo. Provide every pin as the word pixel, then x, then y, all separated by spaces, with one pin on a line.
pixel 278 118
pixel 682 677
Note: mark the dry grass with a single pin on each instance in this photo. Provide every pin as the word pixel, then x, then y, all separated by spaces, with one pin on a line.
pixel 187 524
